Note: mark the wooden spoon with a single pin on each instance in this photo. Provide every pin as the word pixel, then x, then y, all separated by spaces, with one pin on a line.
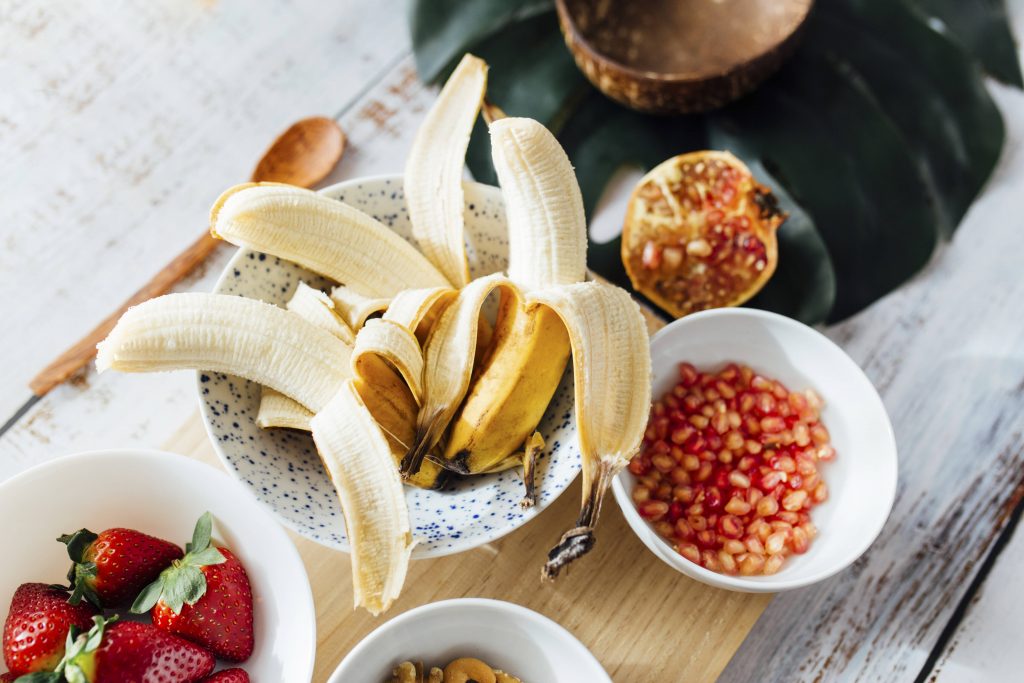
pixel 303 155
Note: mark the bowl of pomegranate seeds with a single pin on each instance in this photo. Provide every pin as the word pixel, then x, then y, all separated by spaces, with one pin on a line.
pixel 769 461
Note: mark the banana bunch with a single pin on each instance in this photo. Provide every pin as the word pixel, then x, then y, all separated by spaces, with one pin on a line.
pixel 429 387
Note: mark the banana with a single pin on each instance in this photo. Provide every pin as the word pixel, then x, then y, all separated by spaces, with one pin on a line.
pixel 433 174
pixel 230 334
pixel 357 456
pixel 277 410
pixel 324 235
pixel 530 349
pixel 612 375
pixel 355 308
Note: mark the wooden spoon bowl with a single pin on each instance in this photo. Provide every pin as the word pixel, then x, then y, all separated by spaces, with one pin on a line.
pixel 680 56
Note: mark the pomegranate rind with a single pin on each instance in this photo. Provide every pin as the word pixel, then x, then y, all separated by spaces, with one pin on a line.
pixel 700 233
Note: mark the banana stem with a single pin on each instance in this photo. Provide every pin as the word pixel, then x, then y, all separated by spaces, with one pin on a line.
pixel 579 540
pixel 421 445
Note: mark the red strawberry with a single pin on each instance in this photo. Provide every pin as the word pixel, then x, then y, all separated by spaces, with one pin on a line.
pixel 122 651
pixel 36 627
pixel 205 597
pixel 228 676
pixel 111 568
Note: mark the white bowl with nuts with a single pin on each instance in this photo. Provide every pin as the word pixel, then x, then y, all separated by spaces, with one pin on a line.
pixel 501 636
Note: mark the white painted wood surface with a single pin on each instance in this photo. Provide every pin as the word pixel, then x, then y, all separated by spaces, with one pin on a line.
pixel 121 121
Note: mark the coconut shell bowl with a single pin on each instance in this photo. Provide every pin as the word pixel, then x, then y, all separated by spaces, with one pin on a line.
pixel 680 56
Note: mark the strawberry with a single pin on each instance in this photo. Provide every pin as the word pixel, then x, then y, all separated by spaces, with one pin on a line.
pixel 115 651
pixel 228 676
pixel 112 567
pixel 37 622
pixel 205 597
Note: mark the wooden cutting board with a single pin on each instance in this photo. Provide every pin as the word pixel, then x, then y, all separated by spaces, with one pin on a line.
pixel 643 620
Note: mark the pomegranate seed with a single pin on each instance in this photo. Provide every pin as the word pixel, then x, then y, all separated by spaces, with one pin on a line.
pixel 677 453
pixel 799 541
pixel 725 390
pixel 809 530
pixel 826 453
pixel 690 552
pixel 733 441
pixel 684 531
pixel 779 390
pixel 772 479
pixel 737 506
pixel 813 400
pixel 760 383
pixel 660 447
pixel 754 496
pixel 637 467
pixel 773 564
pixel 725 457
pixel 810 483
pixel 767 506
pixel 659 408
pixel 788 517
pixel 805 465
pixel 688 374
pixel 734 419
pixel 751 564
pixel 711 395
pixel 664 490
pixel 653 509
pixel 697 522
pixel 699 421
pixel 795 481
pixel 765 404
pixel 820 493
pixel 819 434
pixel 730 526
pixel 675 511
pixel 713 498
pixel 651 256
pixel 707 538
pixel 679 476
pixel 720 423
pixel 709 560
pixel 753 447
pixel 683 494
pixel 772 425
pixel 704 472
pixel 754 544
pixel 695 444
pixel 707 410
pixel 661 427
pixel 681 434
pixel 797 402
pixel 739 480
pixel 801 434
pixel 727 561
pixel 775 543
pixel 663 463
pixel 650 434
pixel 691 463
pixel 747 401
pixel 664 529
pixel 641 494
pixel 795 500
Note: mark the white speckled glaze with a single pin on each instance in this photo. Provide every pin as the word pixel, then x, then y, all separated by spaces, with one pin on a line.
pixel 281 467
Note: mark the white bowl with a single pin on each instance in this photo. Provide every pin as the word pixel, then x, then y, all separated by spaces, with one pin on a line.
pixel 162 494
pixel 506 636
pixel 862 479
pixel 281 468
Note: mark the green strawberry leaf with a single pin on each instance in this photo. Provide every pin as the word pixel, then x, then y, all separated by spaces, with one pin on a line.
pixel 201 534
pixel 41 677
pixel 78 543
pixel 983 28
pixel 210 555
pixel 74 674
pixel 148 597
pixel 443 29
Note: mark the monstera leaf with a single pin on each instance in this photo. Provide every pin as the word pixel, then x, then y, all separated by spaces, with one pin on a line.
pixel 876 136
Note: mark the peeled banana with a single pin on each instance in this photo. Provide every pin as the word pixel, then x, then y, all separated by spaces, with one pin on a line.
pixel 430 385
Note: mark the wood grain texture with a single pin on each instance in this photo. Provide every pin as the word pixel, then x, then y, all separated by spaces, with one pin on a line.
pixel 947 355
pixel 643 620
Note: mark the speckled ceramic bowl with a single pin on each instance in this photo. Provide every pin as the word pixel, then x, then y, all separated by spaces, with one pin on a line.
pixel 281 467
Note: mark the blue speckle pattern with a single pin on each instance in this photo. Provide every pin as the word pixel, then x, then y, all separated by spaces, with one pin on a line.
pixel 281 467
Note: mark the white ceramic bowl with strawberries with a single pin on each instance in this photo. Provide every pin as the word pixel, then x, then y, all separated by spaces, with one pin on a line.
pixel 506 636
pixel 861 480
pixel 162 494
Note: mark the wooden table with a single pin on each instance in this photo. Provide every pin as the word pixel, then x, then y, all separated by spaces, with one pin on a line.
pixel 122 121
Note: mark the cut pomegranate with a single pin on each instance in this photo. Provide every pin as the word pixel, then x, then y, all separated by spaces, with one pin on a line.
pixel 729 469
pixel 700 233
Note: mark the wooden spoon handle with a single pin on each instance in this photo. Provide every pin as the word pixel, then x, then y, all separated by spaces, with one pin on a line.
pixel 79 355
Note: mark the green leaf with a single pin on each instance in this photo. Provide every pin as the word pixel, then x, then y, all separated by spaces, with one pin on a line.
pixel 74 674
pixel 804 284
pixel 824 137
pixel 211 555
pixel 443 29
pixel 982 27
pixel 148 597
pixel 40 677
pixel 201 534
pixel 78 543
pixel 193 584
pixel 927 86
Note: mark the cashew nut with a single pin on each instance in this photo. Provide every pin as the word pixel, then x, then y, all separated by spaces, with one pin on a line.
pixel 436 675
pixel 407 672
pixel 468 669
pixel 503 677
